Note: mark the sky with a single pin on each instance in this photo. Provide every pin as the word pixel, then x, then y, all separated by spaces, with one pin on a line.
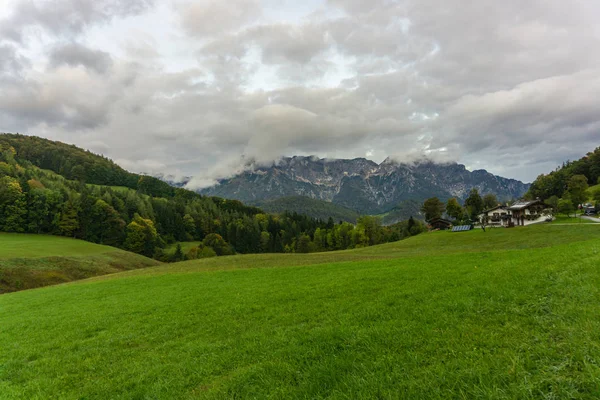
pixel 203 88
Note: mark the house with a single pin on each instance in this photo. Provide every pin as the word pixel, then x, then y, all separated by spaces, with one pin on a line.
pixel 529 210
pixel 439 223
pixel 499 215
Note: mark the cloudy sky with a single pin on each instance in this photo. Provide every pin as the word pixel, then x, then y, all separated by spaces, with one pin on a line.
pixel 189 87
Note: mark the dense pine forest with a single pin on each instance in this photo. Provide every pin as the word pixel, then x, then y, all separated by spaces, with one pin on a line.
pixel 53 188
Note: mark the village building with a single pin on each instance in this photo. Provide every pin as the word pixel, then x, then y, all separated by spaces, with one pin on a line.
pixel 439 223
pixel 526 210
pixel 499 215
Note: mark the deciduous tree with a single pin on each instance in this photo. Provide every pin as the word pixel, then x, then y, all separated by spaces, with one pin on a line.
pixel 577 189
pixel 454 209
pixel 565 206
pixel 552 202
pixel 142 237
pixel 489 201
pixel 433 208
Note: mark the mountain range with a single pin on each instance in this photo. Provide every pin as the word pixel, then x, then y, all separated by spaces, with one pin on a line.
pixel 362 185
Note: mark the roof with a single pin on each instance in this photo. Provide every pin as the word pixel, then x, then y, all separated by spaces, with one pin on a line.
pixel 434 220
pixel 522 204
pixel 494 208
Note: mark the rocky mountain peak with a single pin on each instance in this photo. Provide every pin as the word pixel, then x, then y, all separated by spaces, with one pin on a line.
pixel 362 184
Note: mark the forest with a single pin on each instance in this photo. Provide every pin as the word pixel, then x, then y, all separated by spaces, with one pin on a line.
pixel 556 183
pixel 53 188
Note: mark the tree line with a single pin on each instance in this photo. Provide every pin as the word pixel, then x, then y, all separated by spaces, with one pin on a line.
pixel 473 205
pixel 145 216
pixel 557 182
pixel 565 188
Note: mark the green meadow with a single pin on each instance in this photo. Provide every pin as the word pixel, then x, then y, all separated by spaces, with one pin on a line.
pixel 502 314
pixel 30 261
pixel 570 219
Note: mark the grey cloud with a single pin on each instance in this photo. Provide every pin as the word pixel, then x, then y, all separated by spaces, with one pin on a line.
pixel 215 17
pixel 282 43
pixel 11 63
pixel 74 54
pixel 507 86
pixel 357 7
pixel 68 98
pixel 65 17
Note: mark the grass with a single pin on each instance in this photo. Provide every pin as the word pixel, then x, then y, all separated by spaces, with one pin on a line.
pixel 570 219
pixel 506 314
pixel 14 245
pixel 30 261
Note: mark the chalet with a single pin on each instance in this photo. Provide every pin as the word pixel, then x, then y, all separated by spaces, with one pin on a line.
pixel 439 223
pixel 524 210
pixel 499 215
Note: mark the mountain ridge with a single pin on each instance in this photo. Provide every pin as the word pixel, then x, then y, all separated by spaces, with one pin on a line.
pixel 361 184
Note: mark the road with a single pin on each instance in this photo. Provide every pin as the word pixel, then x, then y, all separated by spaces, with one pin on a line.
pixel 593 219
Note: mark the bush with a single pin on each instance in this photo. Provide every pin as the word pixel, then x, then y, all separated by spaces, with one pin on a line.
pixel 201 251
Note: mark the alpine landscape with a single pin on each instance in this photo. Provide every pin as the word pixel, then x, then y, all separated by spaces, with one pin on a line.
pixel 330 199
pixel 362 185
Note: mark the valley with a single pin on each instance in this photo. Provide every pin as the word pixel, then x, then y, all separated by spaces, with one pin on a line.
pixel 304 200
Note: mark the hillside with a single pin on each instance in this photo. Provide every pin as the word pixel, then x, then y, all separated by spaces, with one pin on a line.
pixel 30 261
pixel 324 210
pixel 42 192
pixel 319 209
pixel 593 192
pixel 403 211
pixel 361 184
pixel 556 182
pixel 510 313
pixel 74 163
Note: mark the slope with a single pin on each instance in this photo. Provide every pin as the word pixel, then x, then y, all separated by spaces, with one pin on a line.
pixel 315 208
pixel 110 206
pixel 556 182
pixel 30 261
pixel 143 214
pixel 403 211
pixel 502 314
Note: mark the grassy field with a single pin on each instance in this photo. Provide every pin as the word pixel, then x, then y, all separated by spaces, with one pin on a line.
pixel 505 314
pixel 570 219
pixel 30 261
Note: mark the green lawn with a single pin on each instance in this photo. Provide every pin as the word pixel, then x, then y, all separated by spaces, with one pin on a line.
pixel 14 245
pixel 505 314
pixel 570 219
pixel 30 261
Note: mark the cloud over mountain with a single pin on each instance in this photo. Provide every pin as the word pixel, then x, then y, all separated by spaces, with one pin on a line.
pixel 188 87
